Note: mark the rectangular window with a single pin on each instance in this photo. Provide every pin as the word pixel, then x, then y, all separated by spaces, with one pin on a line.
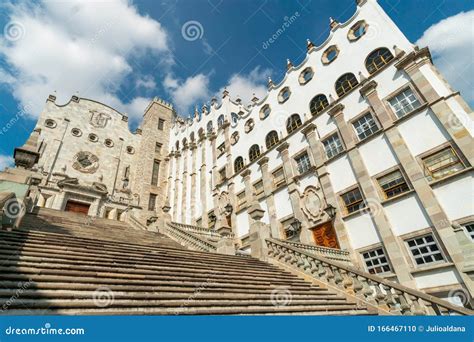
pixel 425 250
pixel 393 184
pixel 241 198
pixel 158 147
pixel 303 163
pixel 155 173
pixel 258 187
pixel 404 102
pixel 161 124
pixel 442 164
pixel 365 126
pixel 279 177
pixel 353 200
pixel 469 227
pixel 376 261
pixel 221 149
pixel 333 146
pixel 152 202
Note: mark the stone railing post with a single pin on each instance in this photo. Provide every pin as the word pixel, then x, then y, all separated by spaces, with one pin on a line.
pixel 225 245
pixel 259 232
pixel 165 217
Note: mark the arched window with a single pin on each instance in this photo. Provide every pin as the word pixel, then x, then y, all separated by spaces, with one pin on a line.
pixel 377 59
pixel 293 123
pixel 345 83
pixel 201 133
pixel 306 75
pixel 177 145
pixel 220 121
pixel 185 142
pixel 318 103
pixel 271 139
pixel 265 111
pixel 234 117
pixel 254 152
pixel 284 95
pixel 209 127
pixel 191 136
pixel 238 164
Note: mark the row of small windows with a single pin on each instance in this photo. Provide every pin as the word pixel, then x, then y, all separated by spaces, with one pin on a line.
pixel 343 85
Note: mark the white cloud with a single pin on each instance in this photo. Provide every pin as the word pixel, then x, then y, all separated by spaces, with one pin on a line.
pixel 146 82
pixel 188 92
pixel 451 44
pixel 78 46
pixel 245 85
pixel 5 161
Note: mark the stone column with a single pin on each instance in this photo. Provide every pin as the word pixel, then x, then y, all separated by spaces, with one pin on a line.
pixel 455 127
pixel 204 218
pixel 415 174
pixel 372 200
pixel 268 190
pixel 229 173
pixel 259 231
pixel 176 185
pixel 317 151
pixel 225 245
pixel 169 184
pixel 215 179
pixel 192 147
pixel 249 193
pixel 305 236
pixel 184 188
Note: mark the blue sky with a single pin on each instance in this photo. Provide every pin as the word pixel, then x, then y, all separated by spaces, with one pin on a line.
pixel 185 51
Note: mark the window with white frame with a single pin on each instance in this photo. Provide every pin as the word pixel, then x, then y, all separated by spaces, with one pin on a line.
pixel 376 261
pixel 441 164
pixel 365 126
pixel 303 163
pixel 469 227
pixel 425 250
pixel 353 200
pixel 333 146
pixel 404 102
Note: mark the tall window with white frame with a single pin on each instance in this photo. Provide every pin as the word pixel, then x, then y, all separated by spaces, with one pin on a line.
pixel 333 146
pixel 376 261
pixel 404 102
pixel 425 250
pixel 365 126
pixel 303 163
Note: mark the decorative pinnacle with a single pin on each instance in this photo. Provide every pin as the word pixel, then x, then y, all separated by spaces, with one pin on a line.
pixel 309 44
pixel 254 98
pixel 196 112
pixel 270 82
pixel 238 99
pixel 225 93
pixel 362 78
pixel 333 23
pixel 398 52
pixel 289 65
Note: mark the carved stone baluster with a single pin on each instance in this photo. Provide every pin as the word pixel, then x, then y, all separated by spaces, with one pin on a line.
pixel 347 281
pixel 379 295
pixel 429 310
pixel 314 267
pixel 322 272
pixel 306 263
pixel 338 279
pixel 330 274
pixel 404 306
pixel 390 300
pixel 367 291
pixel 416 308
pixel 357 285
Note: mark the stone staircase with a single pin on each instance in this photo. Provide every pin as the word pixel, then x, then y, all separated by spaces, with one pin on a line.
pixel 65 263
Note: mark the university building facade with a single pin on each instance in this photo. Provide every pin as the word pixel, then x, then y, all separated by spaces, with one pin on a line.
pixel 363 147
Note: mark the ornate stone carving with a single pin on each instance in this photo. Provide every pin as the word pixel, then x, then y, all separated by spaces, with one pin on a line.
pixel 85 162
pixel 312 204
pixel 99 119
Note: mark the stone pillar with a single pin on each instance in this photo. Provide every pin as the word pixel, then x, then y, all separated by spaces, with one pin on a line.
pixel 215 178
pixel 420 184
pixel 455 127
pixel 176 186
pixel 229 173
pixel 165 218
pixel 249 196
pixel 184 188
pixel 305 235
pixel 193 182
pixel 268 190
pixel 225 245
pixel 204 218
pixel 372 200
pixel 259 232
pixel 317 151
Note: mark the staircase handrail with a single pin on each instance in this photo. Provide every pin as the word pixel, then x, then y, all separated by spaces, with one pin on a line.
pixel 327 252
pixel 196 229
pixel 378 292
pixel 189 239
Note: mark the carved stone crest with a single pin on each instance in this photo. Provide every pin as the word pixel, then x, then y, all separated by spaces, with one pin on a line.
pixel 99 119
pixel 312 203
pixel 85 162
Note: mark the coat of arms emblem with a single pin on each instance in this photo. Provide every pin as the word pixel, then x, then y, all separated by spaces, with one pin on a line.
pixel 99 119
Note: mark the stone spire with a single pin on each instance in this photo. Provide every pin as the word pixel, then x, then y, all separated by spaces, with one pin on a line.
pixel 270 82
pixel 333 23
pixel 309 44
pixel 289 65
pixel 225 93
pixel 27 155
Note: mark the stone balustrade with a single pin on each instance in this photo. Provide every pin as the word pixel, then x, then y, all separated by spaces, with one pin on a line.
pixel 134 223
pixel 330 253
pixel 197 230
pixel 188 239
pixel 384 296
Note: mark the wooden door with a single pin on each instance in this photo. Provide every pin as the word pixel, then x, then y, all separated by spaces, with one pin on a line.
pixel 324 235
pixel 77 207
